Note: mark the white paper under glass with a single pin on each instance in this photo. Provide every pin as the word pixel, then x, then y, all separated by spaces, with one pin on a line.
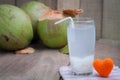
pixel 81 43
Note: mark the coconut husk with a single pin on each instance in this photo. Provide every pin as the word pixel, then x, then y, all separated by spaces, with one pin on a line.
pixel 27 50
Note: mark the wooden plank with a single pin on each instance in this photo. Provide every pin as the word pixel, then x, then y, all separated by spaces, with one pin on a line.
pixel 42 65
pixel 111 19
pixel 20 2
pixel 7 2
pixel 93 8
pixel 51 3
pixel 64 4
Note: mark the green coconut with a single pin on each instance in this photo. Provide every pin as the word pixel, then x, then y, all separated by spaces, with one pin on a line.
pixel 54 36
pixel 15 28
pixel 64 50
pixel 34 9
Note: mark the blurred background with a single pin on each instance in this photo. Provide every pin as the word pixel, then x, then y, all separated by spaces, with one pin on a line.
pixel 105 13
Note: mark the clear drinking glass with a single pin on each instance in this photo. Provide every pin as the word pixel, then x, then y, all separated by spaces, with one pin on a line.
pixel 81 43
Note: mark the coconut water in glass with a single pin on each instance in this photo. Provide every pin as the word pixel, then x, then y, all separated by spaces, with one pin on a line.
pixel 81 43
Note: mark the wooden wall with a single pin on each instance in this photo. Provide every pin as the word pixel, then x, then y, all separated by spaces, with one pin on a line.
pixel 104 12
pixel 111 19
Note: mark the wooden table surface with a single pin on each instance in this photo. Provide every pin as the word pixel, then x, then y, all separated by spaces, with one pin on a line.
pixel 44 63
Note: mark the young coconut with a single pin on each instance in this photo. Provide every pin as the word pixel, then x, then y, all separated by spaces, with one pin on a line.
pixel 34 9
pixel 54 36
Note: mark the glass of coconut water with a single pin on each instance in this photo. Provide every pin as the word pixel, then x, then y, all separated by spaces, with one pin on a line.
pixel 81 43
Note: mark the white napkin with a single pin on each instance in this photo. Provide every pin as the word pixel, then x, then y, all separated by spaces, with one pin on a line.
pixel 66 74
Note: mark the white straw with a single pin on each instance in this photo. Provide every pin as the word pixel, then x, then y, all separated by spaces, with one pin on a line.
pixel 69 19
